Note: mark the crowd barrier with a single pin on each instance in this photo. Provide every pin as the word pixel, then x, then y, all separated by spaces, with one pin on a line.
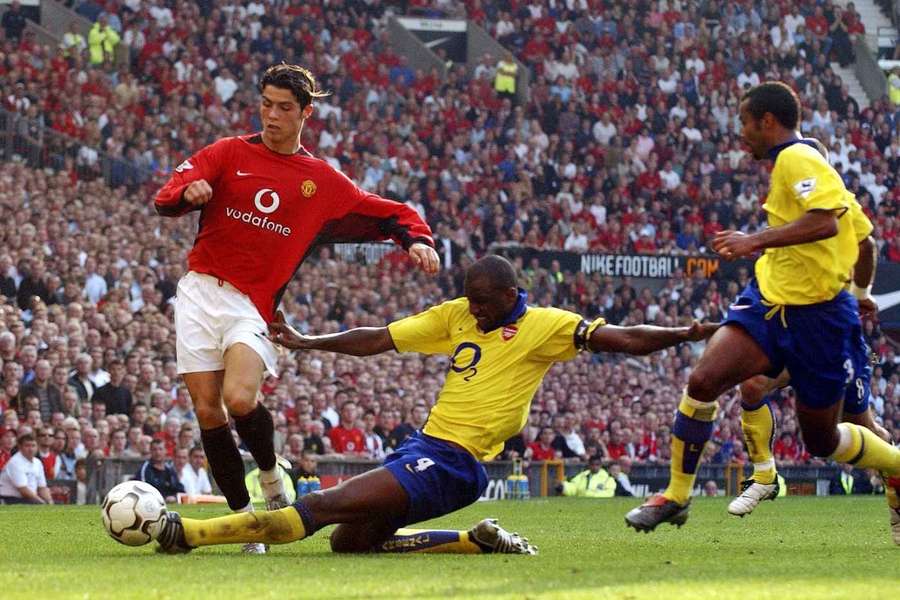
pixel 543 476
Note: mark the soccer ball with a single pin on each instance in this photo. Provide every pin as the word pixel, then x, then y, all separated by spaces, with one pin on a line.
pixel 133 513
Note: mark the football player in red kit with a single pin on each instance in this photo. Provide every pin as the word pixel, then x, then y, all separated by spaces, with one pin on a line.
pixel 264 203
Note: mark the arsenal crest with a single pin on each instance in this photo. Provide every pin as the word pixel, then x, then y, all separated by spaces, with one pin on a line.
pixel 508 332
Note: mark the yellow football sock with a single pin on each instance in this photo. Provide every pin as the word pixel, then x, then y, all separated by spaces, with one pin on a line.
pixel 692 429
pixel 758 425
pixel 862 448
pixel 431 540
pixel 272 527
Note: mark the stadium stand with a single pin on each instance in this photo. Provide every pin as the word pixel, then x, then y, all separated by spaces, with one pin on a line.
pixel 627 144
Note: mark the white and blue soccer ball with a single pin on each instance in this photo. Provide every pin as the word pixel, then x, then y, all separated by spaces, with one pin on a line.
pixel 133 513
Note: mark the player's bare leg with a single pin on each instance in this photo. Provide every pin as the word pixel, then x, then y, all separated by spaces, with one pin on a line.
pixel 365 506
pixel 731 356
pixel 758 427
pixel 224 458
pixel 244 371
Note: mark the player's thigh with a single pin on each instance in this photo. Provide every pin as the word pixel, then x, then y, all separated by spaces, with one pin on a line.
pixel 731 357
pixel 243 375
pixel 373 497
pixel 205 388
pixel 818 425
pixel 361 537
pixel 756 388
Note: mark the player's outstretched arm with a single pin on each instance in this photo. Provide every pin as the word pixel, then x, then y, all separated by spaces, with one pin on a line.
pixel 813 226
pixel 361 341
pixel 644 339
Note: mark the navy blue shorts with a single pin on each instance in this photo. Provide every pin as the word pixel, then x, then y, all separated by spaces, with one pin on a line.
pixel 816 346
pixel 857 395
pixel 438 477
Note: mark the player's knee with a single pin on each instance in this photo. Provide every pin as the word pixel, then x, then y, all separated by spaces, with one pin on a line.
pixel 702 386
pixel 754 389
pixel 346 544
pixel 210 415
pixel 240 400
pixel 822 443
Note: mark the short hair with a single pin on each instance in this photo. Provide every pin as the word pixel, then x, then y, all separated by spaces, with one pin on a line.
pixel 776 98
pixel 157 443
pixel 195 449
pixel 299 80
pixel 497 269
pixel 25 437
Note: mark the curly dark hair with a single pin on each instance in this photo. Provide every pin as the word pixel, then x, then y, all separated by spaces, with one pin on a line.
pixel 299 80
pixel 777 98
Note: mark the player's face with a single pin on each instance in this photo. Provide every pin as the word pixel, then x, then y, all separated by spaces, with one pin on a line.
pixel 281 115
pixel 752 133
pixel 487 303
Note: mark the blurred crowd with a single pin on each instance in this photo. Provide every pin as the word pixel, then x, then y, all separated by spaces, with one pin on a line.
pixel 627 143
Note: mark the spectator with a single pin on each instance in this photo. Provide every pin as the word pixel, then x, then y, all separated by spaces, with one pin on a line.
pixel 347 438
pixel 619 471
pixel 73 43
pixel 22 480
pixel 374 443
pixel 593 482
pixel 710 488
pixel 7 446
pixel 80 378
pixel 543 449
pixel 160 474
pixel 505 79
pixel 417 417
pixel 14 22
pixel 49 397
pixel 102 42
pixel 45 453
pixel 193 475
pixel 114 394
pixel 849 481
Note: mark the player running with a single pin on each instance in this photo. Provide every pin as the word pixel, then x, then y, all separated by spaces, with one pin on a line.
pixel 264 203
pixel 757 419
pixel 794 315
pixel 499 349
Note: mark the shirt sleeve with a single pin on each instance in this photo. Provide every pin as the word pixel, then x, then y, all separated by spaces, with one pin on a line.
pixel 813 183
pixel 561 326
pixel 862 226
pixel 427 332
pixel 206 164
pixel 16 473
pixel 362 216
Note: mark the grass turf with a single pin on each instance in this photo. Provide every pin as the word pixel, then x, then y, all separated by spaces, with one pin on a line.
pixel 793 548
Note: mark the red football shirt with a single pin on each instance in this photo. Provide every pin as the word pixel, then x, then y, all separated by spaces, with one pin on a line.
pixel 347 440
pixel 268 210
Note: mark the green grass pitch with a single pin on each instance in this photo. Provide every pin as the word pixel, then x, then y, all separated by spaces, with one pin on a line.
pixel 790 549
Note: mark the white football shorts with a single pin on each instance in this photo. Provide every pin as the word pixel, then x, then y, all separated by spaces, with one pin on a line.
pixel 210 316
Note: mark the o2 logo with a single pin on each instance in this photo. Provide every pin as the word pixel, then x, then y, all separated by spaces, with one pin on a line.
pixel 464 359
pixel 274 201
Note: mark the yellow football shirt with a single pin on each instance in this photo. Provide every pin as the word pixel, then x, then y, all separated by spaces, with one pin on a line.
pixel 801 181
pixel 493 376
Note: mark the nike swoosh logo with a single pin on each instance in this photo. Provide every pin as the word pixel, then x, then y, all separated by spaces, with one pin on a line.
pixel 436 42
pixel 242 174
pixel 739 307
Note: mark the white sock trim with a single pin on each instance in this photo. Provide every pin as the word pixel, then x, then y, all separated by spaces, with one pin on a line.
pixel 845 440
pixel 764 466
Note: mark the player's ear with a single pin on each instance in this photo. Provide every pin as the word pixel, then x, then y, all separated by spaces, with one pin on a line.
pixel 307 111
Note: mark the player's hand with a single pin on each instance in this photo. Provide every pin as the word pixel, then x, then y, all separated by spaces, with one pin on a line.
pixel 733 244
pixel 701 331
pixel 283 334
pixel 868 309
pixel 197 193
pixel 425 257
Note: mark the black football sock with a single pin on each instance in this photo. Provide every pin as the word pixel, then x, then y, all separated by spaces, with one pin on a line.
pixel 226 465
pixel 257 431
